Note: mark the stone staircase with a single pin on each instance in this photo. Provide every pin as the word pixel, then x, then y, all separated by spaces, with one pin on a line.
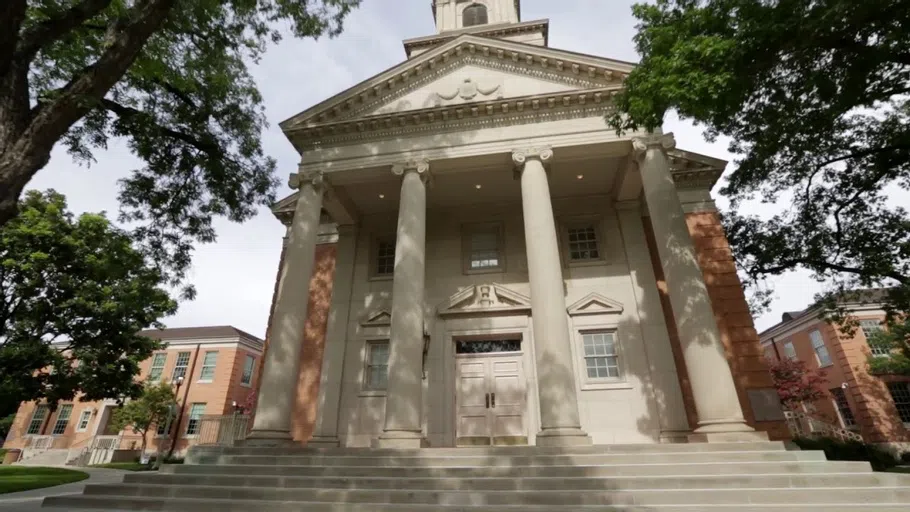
pixel 630 478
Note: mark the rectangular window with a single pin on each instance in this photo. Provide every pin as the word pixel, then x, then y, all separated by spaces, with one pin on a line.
pixel 84 418
pixel 194 419
pixel 483 248
pixel 157 368
pixel 583 244
pixel 900 394
pixel 208 366
pixel 63 419
pixel 601 356
pixel 377 374
pixel 789 351
pixel 843 407
pixel 869 328
pixel 38 417
pixel 183 360
pixel 246 378
pixel 162 429
pixel 384 257
pixel 821 351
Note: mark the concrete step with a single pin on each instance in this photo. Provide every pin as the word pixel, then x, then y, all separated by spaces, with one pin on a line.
pixel 567 471
pixel 267 495
pixel 126 503
pixel 584 459
pixel 498 450
pixel 682 481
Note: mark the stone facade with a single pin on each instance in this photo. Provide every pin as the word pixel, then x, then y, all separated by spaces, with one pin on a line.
pixel 493 278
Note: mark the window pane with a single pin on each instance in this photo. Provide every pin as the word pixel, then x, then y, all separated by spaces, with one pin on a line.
pixel 377 373
pixel 601 359
pixel 484 250
pixel 789 351
pixel 900 394
pixel 385 257
pixel 843 407
pixel 208 366
pixel 84 420
pixel 474 15
pixel 247 376
pixel 157 366
pixel 192 424
pixel 63 418
pixel 38 417
pixel 487 346
pixel 183 359
pixel 583 243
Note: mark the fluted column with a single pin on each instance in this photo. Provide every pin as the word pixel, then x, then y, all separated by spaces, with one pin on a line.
pixel 278 388
pixel 720 416
pixel 403 416
pixel 559 421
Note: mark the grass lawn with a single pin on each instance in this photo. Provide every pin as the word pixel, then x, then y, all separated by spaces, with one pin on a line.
pixel 24 478
pixel 128 466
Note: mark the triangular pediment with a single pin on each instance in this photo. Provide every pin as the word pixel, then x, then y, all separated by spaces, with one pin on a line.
pixel 484 299
pixel 468 69
pixel 595 304
pixel 377 318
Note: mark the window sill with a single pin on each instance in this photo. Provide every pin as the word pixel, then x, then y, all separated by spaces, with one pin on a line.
pixel 586 263
pixel 205 381
pixel 190 436
pixel 829 365
pixel 249 385
pixel 373 392
pixel 597 386
pixel 480 271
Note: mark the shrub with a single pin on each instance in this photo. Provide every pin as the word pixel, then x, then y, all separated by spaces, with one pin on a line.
pixel 835 449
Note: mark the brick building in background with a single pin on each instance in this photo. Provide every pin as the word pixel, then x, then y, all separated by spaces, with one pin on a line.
pixel 219 366
pixel 878 408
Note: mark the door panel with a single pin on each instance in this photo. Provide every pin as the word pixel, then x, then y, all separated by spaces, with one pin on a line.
pixel 490 400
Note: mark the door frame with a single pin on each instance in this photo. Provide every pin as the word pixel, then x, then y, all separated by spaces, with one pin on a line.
pixel 491 356
pixel 492 327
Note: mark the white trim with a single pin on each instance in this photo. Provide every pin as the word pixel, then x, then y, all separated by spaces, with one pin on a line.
pixel 88 422
pixel 582 221
pixel 601 383
pixel 469 229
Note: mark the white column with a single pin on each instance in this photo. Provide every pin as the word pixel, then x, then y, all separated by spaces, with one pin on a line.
pixel 403 414
pixel 559 421
pixel 325 431
pixel 720 416
pixel 278 388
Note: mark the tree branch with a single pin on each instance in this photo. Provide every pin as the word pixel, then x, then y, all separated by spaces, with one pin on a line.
pixel 788 265
pixel 129 112
pixel 55 27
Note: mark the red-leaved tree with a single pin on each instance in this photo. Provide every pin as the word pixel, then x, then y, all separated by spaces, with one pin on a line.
pixel 797 384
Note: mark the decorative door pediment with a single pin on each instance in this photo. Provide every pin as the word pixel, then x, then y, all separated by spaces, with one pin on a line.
pixel 484 299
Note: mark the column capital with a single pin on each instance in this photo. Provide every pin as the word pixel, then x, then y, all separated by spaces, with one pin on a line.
pixel 641 144
pixel 421 166
pixel 542 153
pixel 314 178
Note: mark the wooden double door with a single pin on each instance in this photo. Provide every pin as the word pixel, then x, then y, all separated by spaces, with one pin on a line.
pixel 491 396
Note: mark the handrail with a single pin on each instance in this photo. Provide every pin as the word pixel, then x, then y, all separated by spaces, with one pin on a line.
pixel 818 427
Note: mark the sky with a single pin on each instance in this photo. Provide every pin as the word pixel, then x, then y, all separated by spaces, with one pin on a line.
pixel 235 276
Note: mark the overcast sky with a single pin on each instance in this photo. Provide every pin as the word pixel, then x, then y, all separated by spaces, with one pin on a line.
pixel 235 276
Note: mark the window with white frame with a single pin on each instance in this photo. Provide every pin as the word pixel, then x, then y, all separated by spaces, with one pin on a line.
pixel 63 419
pixel 376 377
pixel 194 419
pixel 900 394
pixel 84 418
pixel 821 351
pixel 38 417
pixel 208 366
pixel 601 355
pixel 870 327
pixel 383 264
pixel 843 407
pixel 483 248
pixel 183 360
pixel 789 350
pixel 157 369
pixel 582 242
pixel 246 378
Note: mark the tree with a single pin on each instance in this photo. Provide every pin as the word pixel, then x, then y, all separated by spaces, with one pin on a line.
pixel 73 294
pixel 169 76
pixel 797 384
pixel 149 410
pixel 895 340
pixel 814 97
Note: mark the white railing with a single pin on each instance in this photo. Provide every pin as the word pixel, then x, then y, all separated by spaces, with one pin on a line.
pixel 803 425
pixel 43 443
pixel 222 430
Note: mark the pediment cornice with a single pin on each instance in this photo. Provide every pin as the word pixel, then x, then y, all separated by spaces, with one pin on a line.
pixel 579 70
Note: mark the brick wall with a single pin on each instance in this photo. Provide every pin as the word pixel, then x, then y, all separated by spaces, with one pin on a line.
pixel 731 311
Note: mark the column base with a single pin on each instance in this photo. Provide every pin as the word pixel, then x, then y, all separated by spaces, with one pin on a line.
pixel 727 432
pixel 400 439
pixel 269 439
pixel 563 437
pixel 323 442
